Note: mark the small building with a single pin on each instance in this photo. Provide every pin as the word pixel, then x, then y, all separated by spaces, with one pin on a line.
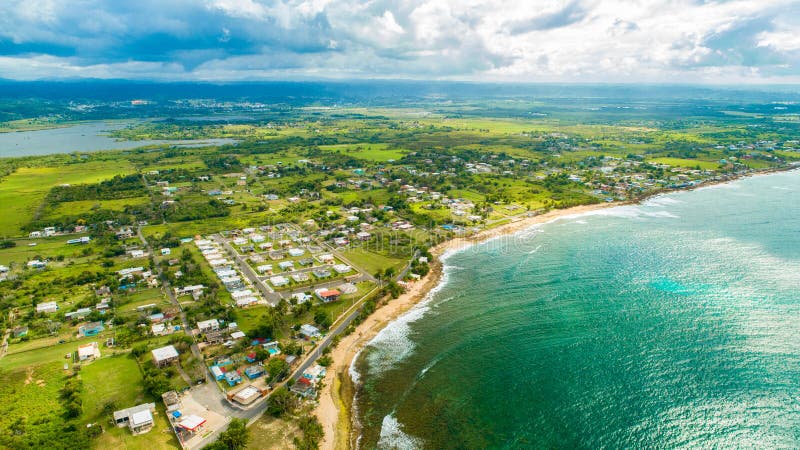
pixel 310 331
pixel 171 400
pixel 208 325
pixel 342 268
pixel 233 378
pixel 36 264
pixel 192 424
pixel 247 395
pixel 138 418
pixel 47 307
pixel 254 372
pixel 88 352
pixel 165 251
pixel 91 329
pixel 236 335
pixel 20 331
pixel 164 356
pixel 328 295
pixel 303 386
pixel 279 281
pixel 217 373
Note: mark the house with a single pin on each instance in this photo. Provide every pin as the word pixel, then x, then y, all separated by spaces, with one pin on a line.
pixel 20 331
pixel 137 253
pixel 286 265
pixel 279 281
pixel 238 335
pixel 310 331
pixel 265 268
pixel 328 295
pixel 165 251
pixel 46 307
pixel 321 273
pixel 138 418
pixel 164 356
pixel 91 329
pixel 156 318
pixel 160 329
pixel 88 351
pixel 342 268
pixel 233 378
pixel 326 258
pixel 303 386
pixel 3 269
pixel 300 277
pixel 208 325
pixel 301 297
pixel 295 252
pixel 363 236
pixel 247 395
pixel 36 264
pixel 217 373
pixel 253 372
pixel 79 314
pixel 246 301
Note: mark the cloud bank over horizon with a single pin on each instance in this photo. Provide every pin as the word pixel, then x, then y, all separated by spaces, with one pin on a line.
pixel 676 41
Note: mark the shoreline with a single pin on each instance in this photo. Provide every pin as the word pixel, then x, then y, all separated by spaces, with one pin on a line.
pixel 333 411
pixel 337 426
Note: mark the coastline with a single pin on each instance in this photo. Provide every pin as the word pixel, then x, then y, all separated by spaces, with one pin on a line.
pixel 337 426
pixel 336 395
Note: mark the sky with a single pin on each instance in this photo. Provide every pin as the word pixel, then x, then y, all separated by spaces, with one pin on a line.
pixel 622 41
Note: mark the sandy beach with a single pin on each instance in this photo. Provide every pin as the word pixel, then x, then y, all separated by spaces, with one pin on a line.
pixel 331 403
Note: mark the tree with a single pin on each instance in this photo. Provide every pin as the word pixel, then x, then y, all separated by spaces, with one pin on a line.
pixel 323 319
pixel 281 402
pixel 312 433
pixel 276 367
pixel 234 438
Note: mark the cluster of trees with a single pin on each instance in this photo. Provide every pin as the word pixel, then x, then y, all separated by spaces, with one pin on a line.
pixel 312 433
pixel 234 438
pixel 121 186
pixel 186 211
pixel 71 396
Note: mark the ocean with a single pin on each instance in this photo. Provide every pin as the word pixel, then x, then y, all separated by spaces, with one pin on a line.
pixel 674 323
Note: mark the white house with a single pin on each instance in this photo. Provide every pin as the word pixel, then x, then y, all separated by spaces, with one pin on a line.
pixel 208 325
pixel 164 356
pixel 47 307
pixel 138 418
pixel 279 281
pixel 88 351
pixel 310 331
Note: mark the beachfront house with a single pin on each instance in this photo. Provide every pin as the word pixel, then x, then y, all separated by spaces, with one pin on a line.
pixel 310 331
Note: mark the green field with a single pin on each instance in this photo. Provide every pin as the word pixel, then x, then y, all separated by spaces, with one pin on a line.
pixel 22 192
pixel 85 206
pixel 690 163
pixel 369 152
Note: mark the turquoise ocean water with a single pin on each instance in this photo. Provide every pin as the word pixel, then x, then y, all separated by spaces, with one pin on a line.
pixel 675 323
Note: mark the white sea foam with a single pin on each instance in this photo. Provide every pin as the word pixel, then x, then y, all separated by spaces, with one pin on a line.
pixel 393 344
pixel 661 201
pixel 393 437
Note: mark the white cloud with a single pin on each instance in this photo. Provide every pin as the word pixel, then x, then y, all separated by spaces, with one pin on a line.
pixel 535 40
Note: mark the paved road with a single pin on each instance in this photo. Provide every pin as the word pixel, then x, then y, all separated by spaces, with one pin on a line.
pixel 269 295
pixel 171 294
